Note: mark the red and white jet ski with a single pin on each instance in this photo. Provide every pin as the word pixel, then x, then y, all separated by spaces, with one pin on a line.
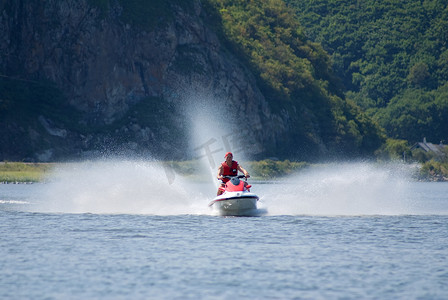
pixel 237 200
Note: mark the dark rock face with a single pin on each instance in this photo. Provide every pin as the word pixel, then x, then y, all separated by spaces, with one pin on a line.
pixel 105 67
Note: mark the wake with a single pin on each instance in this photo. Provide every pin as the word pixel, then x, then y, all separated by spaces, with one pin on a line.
pixel 344 190
pixel 149 188
pixel 120 187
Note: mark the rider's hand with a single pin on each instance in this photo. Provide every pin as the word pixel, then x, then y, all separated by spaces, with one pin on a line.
pixel 247 175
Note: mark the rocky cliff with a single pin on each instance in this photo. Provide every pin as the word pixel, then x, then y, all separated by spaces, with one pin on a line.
pixel 116 85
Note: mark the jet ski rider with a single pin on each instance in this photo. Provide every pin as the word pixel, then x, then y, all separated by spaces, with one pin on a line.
pixel 229 168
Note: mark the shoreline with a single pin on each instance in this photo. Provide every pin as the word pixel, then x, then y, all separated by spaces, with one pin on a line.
pixel 30 173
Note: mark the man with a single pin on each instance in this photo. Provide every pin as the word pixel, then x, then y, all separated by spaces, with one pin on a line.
pixel 229 168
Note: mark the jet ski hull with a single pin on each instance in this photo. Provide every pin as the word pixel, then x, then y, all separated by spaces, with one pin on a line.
pixel 235 204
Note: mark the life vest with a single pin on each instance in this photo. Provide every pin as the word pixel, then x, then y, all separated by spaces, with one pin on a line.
pixel 229 171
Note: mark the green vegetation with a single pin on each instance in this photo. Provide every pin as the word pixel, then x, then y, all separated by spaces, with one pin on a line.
pixel 434 171
pixel 264 169
pixel 338 70
pixel 269 36
pixel 296 76
pixel 394 150
pixel 434 165
pixel 392 57
pixel 11 172
pixel 417 113
pixel 268 168
pixel 17 172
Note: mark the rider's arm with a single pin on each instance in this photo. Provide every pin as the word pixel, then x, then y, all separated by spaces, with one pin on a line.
pixel 220 170
pixel 241 169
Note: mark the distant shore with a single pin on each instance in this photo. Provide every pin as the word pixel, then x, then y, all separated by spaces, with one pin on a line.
pixel 20 172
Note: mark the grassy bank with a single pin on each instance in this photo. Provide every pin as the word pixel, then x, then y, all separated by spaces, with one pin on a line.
pixel 11 172
pixel 434 171
pixel 263 169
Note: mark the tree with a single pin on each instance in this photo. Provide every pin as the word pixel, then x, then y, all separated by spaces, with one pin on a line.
pixel 419 75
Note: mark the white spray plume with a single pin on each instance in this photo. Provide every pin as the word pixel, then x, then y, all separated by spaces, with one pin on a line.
pixel 120 187
pixel 343 189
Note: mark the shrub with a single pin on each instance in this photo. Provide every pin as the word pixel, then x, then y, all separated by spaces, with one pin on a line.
pixel 271 169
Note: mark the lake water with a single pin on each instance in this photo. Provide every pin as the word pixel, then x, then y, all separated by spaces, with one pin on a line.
pixel 130 230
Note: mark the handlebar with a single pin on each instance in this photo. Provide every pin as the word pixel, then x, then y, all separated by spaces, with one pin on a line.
pixel 237 176
pixel 230 177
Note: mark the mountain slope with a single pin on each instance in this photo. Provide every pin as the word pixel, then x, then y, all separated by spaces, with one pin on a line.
pixel 392 56
pixel 80 78
pixel 296 74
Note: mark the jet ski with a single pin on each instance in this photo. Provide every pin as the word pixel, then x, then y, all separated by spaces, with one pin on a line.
pixel 236 199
